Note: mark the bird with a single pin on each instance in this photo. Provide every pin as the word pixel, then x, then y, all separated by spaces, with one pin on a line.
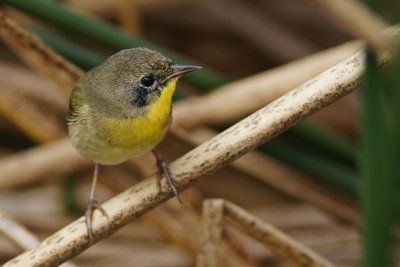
pixel 122 109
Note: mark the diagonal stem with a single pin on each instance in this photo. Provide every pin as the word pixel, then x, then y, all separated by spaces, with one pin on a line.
pixel 241 138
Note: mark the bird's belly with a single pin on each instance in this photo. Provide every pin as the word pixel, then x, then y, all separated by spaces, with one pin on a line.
pixel 100 150
pixel 125 139
pixel 133 133
pixel 109 141
pixel 112 155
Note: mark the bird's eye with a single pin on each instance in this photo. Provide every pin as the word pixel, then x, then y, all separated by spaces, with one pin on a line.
pixel 147 81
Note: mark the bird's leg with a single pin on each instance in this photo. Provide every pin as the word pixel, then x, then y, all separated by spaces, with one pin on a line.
pixel 93 204
pixel 163 168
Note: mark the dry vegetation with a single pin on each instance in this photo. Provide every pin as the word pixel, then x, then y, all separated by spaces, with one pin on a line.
pixel 277 53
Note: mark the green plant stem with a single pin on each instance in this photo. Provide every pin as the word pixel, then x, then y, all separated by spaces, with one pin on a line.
pixel 108 35
pixel 82 57
pixel 103 33
pixel 334 174
pixel 86 59
pixel 378 188
pixel 330 172
pixel 68 186
pixel 325 140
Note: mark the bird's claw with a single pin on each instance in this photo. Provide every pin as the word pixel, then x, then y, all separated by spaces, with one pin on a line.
pixel 92 205
pixel 163 168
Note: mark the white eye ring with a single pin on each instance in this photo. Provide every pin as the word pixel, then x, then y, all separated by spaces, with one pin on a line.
pixel 147 81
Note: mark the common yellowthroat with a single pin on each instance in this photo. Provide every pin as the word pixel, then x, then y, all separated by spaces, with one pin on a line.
pixel 122 109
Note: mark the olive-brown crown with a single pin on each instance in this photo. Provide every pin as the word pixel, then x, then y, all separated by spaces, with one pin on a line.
pixel 126 82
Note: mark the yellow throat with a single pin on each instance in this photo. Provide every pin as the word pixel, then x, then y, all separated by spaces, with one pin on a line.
pixel 142 132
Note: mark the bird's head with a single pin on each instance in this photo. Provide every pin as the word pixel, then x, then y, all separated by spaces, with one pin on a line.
pixel 130 81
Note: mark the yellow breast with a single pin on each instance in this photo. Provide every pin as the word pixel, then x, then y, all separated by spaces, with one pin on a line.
pixel 144 132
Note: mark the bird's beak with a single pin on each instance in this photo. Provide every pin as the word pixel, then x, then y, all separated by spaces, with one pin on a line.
pixel 178 70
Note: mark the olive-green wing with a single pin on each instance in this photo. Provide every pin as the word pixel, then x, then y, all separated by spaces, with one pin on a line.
pixel 75 104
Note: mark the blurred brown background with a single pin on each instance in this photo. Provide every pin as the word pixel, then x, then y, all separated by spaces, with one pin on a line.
pixel 237 38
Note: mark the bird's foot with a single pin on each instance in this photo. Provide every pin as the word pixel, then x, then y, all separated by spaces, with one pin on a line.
pixel 92 205
pixel 163 168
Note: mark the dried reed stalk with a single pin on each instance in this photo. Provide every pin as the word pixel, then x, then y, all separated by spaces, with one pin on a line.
pixel 17 233
pixel 298 186
pixel 266 35
pixel 37 55
pixel 40 162
pixel 281 177
pixel 21 236
pixel 273 238
pixel 44 160
pixel 178 224
pixel 204 159
pixel 99 8
pixel 251 93
pixel 61 157
pixel 214 213
pixel 268 171
pixel 360 21
pixel 212 223
pixel 56 158
pixel 34 122
pixel 203 166
pixel 109 8
pixel 129 16
pixel 34 87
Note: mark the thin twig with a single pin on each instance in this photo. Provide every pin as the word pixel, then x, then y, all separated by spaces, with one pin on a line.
pixel 249 94
pixel 231 144
pixel 360 21
pixel 273 238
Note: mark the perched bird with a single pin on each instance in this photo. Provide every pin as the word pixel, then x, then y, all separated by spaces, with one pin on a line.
pixel 122 109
